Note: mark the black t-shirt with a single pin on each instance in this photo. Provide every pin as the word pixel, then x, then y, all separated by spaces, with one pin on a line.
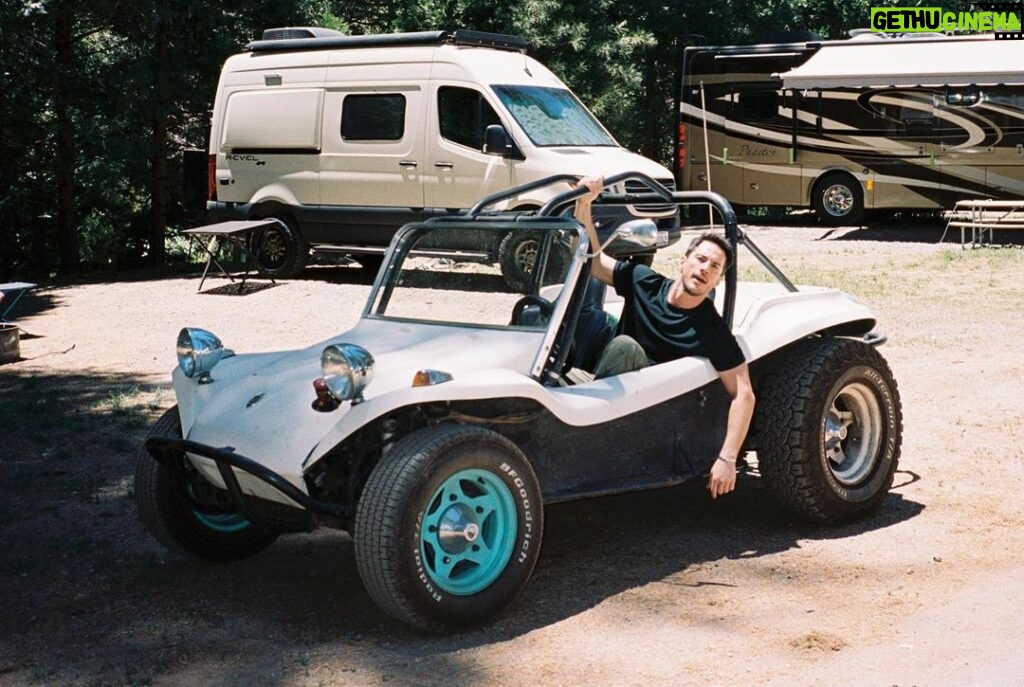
pixel 665 331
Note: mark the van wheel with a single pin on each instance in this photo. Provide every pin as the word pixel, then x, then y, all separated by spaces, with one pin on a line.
pixel 517 256
pixel 279 250
pixel 838 200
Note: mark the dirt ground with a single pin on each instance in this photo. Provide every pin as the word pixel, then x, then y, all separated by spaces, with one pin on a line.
pixel 662 588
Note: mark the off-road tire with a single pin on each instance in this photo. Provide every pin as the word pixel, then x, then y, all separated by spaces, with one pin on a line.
pixel 400 561
pixel 279 251
pixel 801 403
pixel 838 199
pixel 517 255
pixel 178 521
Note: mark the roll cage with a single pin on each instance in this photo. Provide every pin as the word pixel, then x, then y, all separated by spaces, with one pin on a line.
pixel 554 216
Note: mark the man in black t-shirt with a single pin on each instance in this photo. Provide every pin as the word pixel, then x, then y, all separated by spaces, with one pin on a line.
pixel 666 319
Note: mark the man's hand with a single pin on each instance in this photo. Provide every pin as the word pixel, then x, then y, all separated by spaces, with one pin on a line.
pixel 602 267
pixel 594 185
pixel 723 477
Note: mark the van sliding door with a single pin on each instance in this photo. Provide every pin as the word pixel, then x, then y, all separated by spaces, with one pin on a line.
pixel 372 166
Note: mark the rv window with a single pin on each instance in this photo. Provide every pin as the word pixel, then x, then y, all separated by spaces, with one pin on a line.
pixel 758 106
pixel 464 115
pixel 1010 97
pixel 915 118
pixel 963 97
pixel 373 117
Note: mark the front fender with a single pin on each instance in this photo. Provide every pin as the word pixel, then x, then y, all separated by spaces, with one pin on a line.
pixel 772 322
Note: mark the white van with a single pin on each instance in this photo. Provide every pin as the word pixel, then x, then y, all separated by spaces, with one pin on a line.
pixel 346 138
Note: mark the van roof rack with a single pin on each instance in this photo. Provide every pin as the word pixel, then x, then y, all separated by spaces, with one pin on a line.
pixel 296 39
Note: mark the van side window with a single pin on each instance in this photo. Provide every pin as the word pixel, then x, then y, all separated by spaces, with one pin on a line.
pixel 464 115
pixel 373 117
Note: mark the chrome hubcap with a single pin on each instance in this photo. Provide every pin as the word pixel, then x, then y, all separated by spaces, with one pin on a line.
pixel 457 529
pixel 838 200
pixel 853 434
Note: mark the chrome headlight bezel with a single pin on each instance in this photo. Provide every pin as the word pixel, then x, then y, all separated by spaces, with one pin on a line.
pixel 347 369
pixel 198 352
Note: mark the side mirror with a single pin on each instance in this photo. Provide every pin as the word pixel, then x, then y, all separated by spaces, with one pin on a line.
pixel 642 233
pixel 497 141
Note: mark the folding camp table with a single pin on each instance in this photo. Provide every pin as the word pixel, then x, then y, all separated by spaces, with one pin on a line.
pixel 18 288
pixel 238 233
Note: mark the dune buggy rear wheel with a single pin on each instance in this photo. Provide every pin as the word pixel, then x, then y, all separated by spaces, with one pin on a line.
pixel 448 527
pixel 830 426
pixel 186 513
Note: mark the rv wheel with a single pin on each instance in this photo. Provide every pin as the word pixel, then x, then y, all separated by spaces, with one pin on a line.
pixel 279 250
pixel 838 199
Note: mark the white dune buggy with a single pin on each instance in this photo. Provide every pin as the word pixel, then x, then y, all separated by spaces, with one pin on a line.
pixel 436 429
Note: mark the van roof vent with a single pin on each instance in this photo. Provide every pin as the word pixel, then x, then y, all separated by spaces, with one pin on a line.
pixel 289 32
pixel 296 39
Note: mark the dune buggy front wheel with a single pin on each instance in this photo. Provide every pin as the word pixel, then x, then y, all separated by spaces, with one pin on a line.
pixel 188 514
pixel 448 527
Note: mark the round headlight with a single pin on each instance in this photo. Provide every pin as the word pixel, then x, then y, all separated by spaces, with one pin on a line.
pixel 198 351
pixel 347 369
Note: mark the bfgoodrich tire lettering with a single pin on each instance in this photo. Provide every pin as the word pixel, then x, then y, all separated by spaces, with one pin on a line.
pixel 190 516
pixel 440 493
pixel 830 426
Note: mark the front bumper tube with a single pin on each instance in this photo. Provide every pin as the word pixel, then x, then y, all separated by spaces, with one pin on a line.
pixel 167 451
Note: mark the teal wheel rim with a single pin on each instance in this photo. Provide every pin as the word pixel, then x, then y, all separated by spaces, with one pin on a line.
pixel 468 532
pixel 226 522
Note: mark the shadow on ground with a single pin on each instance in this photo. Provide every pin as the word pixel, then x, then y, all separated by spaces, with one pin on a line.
pixel 90 597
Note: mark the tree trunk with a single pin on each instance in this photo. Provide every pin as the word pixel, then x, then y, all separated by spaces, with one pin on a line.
pixel 159 195
pixel 67 229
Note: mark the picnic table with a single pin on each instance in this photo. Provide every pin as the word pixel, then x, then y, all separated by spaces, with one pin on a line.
pixel 983 217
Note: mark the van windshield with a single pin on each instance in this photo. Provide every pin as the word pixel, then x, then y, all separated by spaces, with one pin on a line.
pixel 553 116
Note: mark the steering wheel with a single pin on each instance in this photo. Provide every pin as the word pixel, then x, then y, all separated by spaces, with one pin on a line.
pixel 546 308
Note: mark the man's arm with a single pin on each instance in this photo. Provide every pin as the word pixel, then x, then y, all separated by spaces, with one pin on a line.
pixel 603 266
pixel 723 472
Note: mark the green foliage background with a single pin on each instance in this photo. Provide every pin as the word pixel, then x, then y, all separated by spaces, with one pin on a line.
pixel 99 98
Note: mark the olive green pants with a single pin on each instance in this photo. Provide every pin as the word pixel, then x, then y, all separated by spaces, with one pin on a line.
pixel 622 354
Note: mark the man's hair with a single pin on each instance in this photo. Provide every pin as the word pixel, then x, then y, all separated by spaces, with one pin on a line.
pixel 719 241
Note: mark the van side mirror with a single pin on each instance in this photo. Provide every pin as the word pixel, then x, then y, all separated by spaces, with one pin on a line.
pixel 497 141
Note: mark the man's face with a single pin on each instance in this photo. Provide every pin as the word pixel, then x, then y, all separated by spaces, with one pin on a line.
pixel 702 269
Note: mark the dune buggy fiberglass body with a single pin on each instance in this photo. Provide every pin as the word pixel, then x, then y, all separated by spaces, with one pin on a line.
pixel 435 430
